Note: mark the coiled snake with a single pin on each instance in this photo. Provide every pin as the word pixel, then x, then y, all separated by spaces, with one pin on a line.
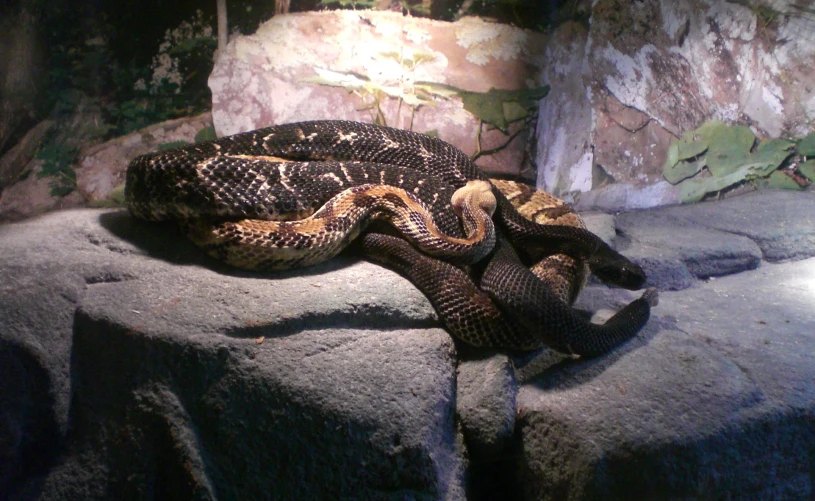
pixel 296 194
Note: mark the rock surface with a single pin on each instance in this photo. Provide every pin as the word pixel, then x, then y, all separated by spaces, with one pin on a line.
pixel 99 169
pixel 714 400
pixel 643 73
pixel 13 162
pixel 147 366
pixel 366 65
pixel 130 363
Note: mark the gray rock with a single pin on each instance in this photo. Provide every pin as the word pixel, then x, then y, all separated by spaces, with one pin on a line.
pixel 485 404
pixel 132 363
pixel 714 398
pixel 601 224
pixel 780 222
pixel 674 251
pixel 176 380
pixel 678 244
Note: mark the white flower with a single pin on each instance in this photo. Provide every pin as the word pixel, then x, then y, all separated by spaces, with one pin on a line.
pixel 166 67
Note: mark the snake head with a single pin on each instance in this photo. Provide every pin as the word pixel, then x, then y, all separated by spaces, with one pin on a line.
pixel 475 194
pixel 618 270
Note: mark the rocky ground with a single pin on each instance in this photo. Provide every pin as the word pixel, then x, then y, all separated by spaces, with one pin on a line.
pixel 133 366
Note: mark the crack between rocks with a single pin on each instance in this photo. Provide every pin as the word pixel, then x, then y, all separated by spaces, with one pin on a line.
pixel 721 350
pixel 109 245
pixel 107 277
pixel 381 320
pixel 684 221
pixel 694 223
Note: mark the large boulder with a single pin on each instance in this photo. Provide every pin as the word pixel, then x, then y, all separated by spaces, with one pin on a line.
pixel 383 66
pixel 133 365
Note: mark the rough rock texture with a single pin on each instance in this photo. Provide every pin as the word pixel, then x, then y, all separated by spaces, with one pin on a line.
pixel 23 70
pixel 157 377
pixel 13 162
pixel 714 400
pixel 486 404
pixel 266 78
pixel 716 397
pixel 99 169
pixel 677 244
pixel 131 364
pixel 644 72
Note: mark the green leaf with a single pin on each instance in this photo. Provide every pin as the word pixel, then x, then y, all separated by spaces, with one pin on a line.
pixel 807 169
pixel 423 57
pixel 687 150
pixel 513 110
pixel 673 156
pixel 770 154
pixel 437 89
pixel 781 181
pixel 205 134
pixel 347 80
pixel 682 171
pixel 486 107
pixel 415 100
pixel 727 157
pixel 489 106
pixel 410 61
pixel 806 146
pixel 687 147
pixel 172 145
pixel 693 190
pixel 728 146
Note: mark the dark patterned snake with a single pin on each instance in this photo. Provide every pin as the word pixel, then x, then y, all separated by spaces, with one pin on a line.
pixel 283 188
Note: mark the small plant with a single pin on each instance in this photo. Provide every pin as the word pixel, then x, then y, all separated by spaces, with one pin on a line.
pixel 717 156
pixel 172 145
pixel 58 158
pixel 400 86
pixel 205 134
pixel 499 107
pixel 496 107
pixel 353 4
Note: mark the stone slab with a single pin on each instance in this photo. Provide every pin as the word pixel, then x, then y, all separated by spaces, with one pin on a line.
pixel 131 362
pixel 679 244
pixel 780 222
pixel 715 396
pixel 137 365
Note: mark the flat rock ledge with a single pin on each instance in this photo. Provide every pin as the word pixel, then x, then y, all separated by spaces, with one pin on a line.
pixel 134 367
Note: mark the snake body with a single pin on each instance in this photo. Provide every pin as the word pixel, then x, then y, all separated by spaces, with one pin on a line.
pixel 272 245
pixel 299 176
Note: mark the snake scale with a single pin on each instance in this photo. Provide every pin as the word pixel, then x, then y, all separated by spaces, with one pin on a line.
pixel 284 186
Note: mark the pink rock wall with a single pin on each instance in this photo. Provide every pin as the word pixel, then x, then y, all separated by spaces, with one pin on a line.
pixel 645 72
pixel 269 77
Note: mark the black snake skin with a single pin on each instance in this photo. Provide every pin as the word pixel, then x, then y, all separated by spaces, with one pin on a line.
pixel 506 306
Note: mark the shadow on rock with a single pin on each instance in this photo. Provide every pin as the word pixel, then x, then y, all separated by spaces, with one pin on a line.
pixel 549 370
pixel 29 431
pixel 166 241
